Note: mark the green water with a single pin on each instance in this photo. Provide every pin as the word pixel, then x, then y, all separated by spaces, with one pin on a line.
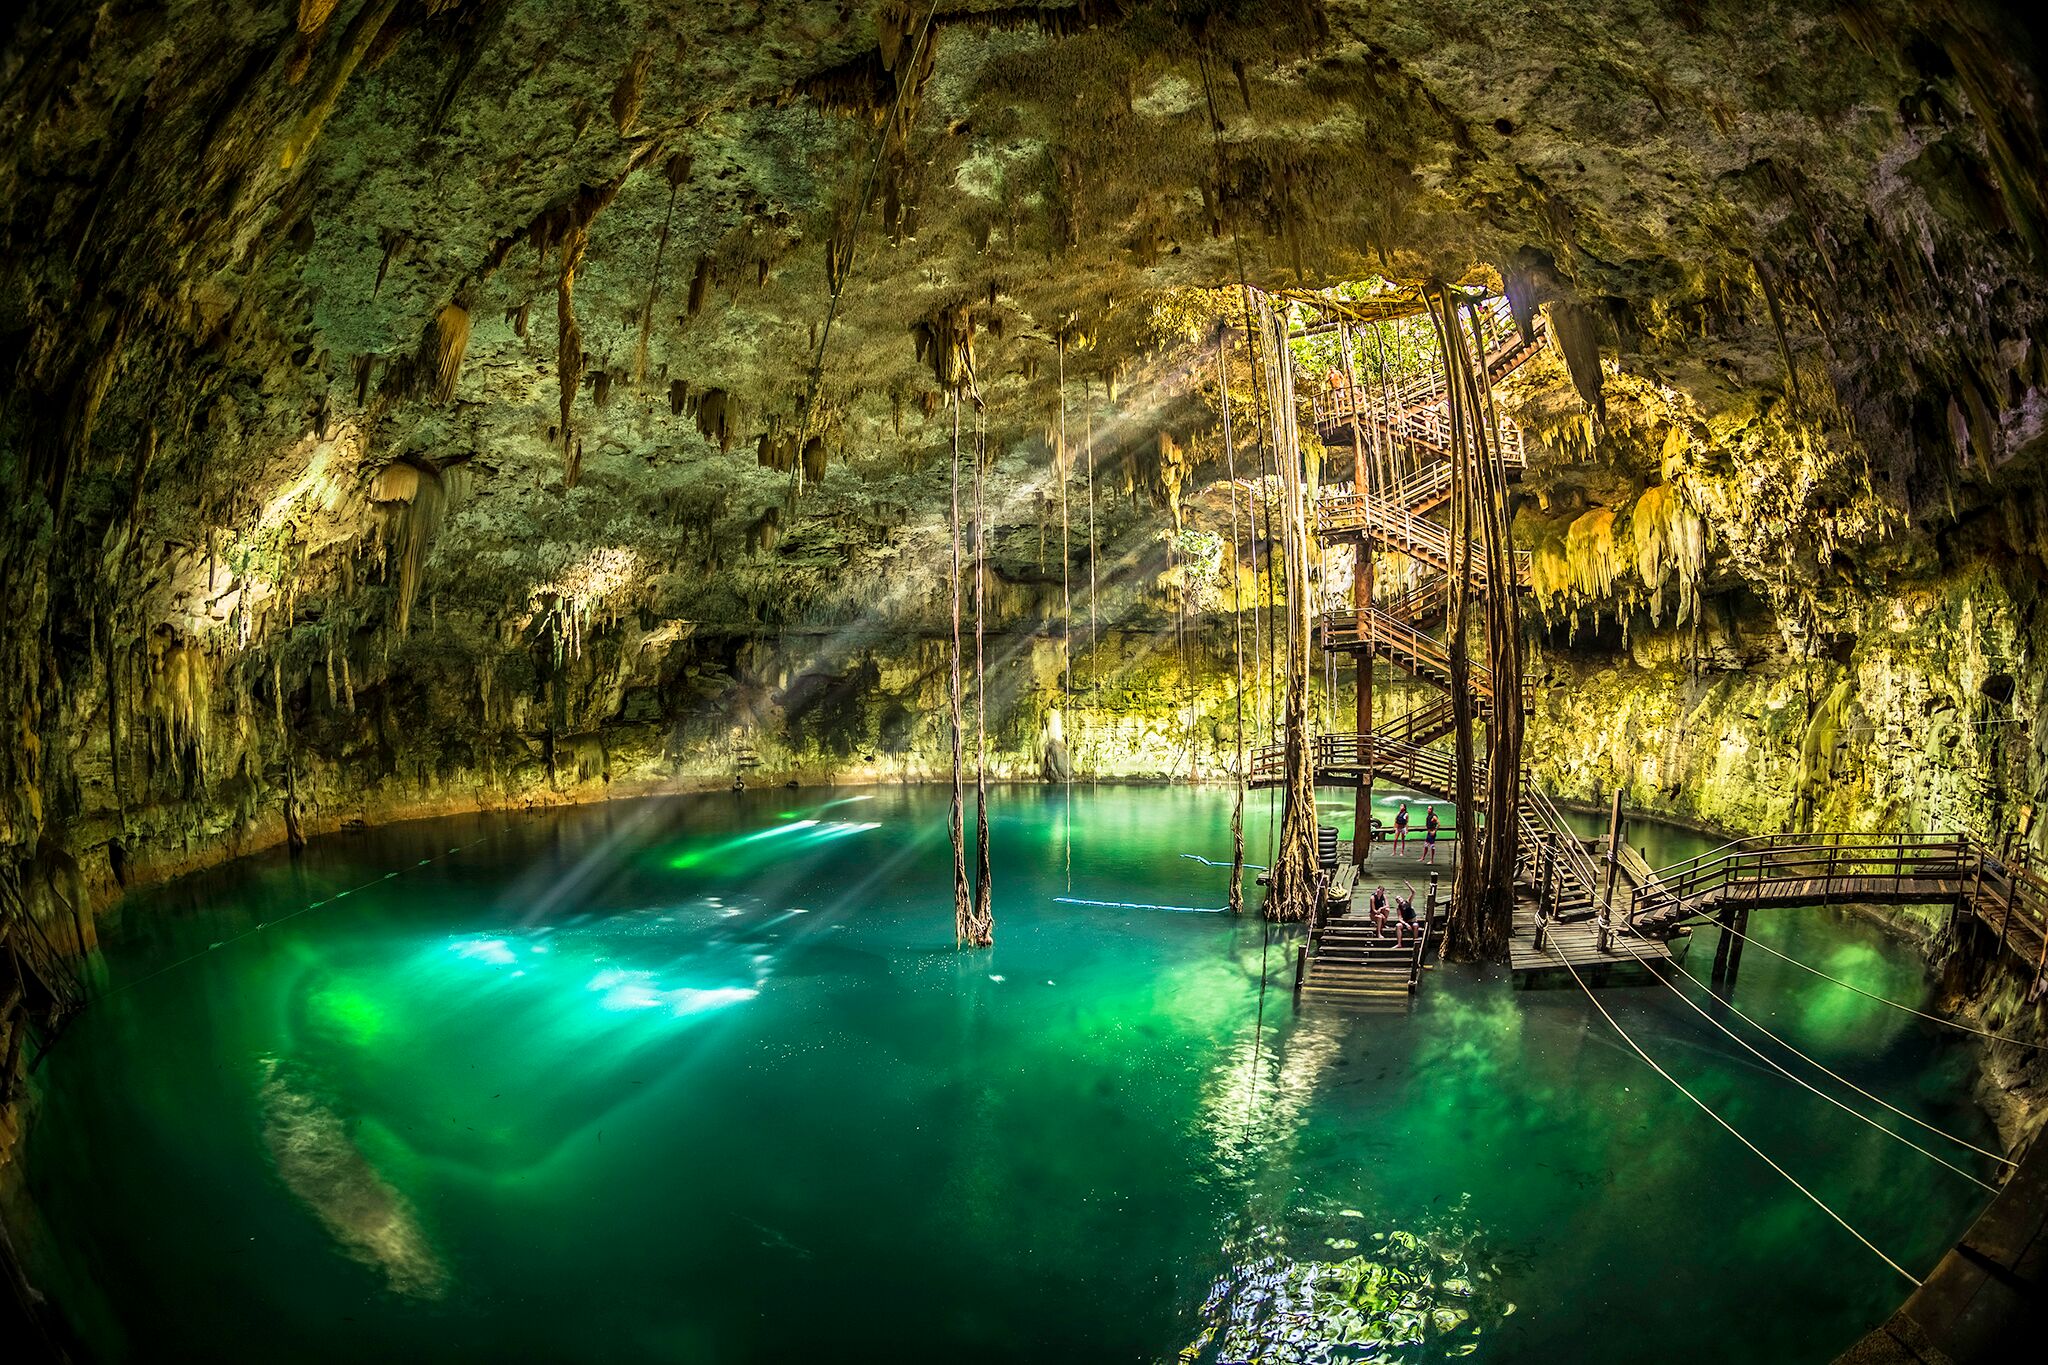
pixel 704 1079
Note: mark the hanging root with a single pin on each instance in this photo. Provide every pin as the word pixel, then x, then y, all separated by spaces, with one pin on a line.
pixel 569 354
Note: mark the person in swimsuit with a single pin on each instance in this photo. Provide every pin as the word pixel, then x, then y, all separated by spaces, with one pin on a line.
pixel 1405 906
pixel 1400 828
pixel 1429 836
pixel 1376 910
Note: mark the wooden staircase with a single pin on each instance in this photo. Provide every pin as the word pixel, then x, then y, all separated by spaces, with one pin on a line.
pixel 1349 963
pixel 1411 441
pixel 1418 412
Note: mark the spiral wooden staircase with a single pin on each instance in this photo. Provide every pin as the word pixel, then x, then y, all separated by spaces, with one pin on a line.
pixel 1389 508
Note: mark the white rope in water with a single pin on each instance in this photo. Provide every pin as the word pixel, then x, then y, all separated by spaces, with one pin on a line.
pixel 1211 862
pixel 1882 1000
pixel 261 925
pixel 1138 905
pixel 1734 1132
pixel 1826 1070
pixel 1802 1081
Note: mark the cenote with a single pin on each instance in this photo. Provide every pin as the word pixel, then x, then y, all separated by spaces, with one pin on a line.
pixel 633 635
pixel 705 1078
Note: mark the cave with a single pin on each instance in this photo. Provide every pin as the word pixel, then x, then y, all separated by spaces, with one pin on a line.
pixel 1127 680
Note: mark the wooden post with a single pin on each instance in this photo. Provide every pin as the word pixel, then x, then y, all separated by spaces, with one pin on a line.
pixel 1613 845
pixel 1741 924
pixel 1724 919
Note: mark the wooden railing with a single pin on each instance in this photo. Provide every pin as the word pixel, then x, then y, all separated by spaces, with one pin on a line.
pixel 1418 410
pixel 1572 871
pixel 1345 752
pixel 1818 868
pixel 1395 528
pixel 1421 654
pixel 1819 864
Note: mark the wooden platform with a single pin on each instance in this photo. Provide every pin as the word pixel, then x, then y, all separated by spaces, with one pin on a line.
pixel 1842 890
pixel 1576 944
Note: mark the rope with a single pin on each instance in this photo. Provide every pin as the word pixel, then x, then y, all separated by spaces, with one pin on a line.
pixel 1882 1000
pixel 956 827
pixel 265 924
pixel 1818 1066
pixel 860 213
pixel 1733 1132
pixel 1088 452
pixel 1237 627
pixel 1800 1080
pixel 1211 862
pixel 1259 1026
pixel 983 876
pixel 1066 621
pixel 1137 905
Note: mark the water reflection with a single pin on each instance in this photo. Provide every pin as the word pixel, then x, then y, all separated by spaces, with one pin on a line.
pixel 1404 1296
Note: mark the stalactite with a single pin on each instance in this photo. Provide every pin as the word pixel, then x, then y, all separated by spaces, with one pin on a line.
pixel 355 44
pixel 717 418
pixel 631 90
pixel 450 341
pixel 1573 328
pixel 700 286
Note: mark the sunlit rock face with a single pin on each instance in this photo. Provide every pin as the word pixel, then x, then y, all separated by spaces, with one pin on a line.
pixel 410 401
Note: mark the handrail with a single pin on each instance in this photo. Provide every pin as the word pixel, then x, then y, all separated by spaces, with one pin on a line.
pixel 1396 528
pixel 1418 410
pixel 1843 864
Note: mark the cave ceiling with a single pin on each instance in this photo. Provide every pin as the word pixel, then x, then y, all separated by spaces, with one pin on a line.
pixel 258 253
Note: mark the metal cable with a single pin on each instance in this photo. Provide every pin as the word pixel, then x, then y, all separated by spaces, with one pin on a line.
pixel 1734 1132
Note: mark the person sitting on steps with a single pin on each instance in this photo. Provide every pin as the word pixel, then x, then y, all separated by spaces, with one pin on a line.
pixel 1376 910
pixel 1405 905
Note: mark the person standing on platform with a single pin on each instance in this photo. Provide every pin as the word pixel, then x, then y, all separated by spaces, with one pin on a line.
pixel 1400 829
pixel 1429 833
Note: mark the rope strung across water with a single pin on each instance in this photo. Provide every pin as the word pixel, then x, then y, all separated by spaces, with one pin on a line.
pixel 260 926
pixel 1822 1067
pixel 1802 1081
pixel 1734 1132
pixel 1211 862
pixel 1882 1000
pixel 1138 905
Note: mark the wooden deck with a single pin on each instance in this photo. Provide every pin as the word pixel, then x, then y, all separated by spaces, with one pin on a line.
pixel 1575 944
pixel 1879 890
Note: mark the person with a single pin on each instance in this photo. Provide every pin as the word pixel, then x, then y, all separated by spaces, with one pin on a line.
pixel 1405 905
pixel 1400 828
pixel 1429 832
pixel 1376 909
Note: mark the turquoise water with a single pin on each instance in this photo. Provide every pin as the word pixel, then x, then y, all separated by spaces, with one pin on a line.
pixel 705 1079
